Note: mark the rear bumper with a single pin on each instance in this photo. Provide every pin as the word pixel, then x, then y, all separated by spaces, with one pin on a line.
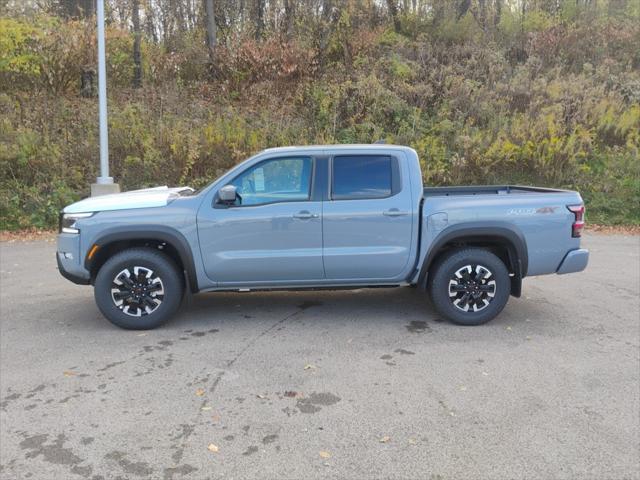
pixel 574 261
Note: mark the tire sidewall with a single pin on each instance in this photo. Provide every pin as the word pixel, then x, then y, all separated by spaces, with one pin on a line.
pixel 445 269
pixel 163 268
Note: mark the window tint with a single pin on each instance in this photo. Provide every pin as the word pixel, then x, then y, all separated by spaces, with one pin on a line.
pixel 277 180
pixel 361 176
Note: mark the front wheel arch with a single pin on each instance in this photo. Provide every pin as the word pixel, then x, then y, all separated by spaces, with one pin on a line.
pixel 169 241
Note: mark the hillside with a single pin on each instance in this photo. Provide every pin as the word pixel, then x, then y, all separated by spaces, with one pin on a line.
pixel 513 95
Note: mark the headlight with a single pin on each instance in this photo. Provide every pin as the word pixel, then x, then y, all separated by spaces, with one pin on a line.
pixel 68 221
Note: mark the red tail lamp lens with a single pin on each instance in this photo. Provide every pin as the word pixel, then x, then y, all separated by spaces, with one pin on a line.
pixel 578 224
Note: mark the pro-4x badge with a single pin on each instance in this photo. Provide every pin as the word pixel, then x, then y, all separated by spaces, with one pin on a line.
pixel 543 210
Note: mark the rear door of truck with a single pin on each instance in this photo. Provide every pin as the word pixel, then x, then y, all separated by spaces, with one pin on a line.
pixel 367 220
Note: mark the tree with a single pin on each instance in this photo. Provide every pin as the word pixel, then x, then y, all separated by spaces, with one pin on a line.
pixel 393 11
pixel 137 36
pixel 258 18
pixel 211 28
pixel 76 8
pixel 462 8
pixel 289 17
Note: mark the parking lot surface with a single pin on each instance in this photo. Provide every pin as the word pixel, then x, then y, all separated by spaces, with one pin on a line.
pixel 348 384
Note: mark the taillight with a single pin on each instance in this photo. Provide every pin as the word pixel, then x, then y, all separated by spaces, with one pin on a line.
pixel 578 223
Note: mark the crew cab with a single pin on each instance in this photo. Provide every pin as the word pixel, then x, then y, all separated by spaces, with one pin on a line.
pixel 319 217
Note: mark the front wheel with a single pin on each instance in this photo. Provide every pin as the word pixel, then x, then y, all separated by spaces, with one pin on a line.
pixel 470 286
pixel 138 289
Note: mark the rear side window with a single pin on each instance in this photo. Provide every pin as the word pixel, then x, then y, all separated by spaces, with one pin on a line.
pixel 362 176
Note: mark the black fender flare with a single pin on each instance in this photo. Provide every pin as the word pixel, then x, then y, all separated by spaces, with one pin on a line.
pixel 483 231
pixel 159 233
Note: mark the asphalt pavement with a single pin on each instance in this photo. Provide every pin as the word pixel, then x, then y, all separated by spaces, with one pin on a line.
pixel 348 384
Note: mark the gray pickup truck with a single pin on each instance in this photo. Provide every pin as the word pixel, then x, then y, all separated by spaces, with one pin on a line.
pixel 319 217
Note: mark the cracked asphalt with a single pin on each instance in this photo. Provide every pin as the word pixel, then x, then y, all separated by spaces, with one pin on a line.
pixel 348 384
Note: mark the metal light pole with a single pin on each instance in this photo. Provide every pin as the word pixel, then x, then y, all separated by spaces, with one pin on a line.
pixel 104 183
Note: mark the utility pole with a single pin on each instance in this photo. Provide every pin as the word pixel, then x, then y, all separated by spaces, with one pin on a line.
pixel 104 183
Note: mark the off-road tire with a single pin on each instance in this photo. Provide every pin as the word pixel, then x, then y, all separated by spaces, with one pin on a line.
pixel 164 277
pixel 447 288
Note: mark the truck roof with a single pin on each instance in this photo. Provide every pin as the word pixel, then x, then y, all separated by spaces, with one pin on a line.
pixel 347 147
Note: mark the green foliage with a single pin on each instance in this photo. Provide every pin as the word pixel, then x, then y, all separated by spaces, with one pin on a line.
pixel 457 31
pixel 538 21
pixel 553 100
pixel 16 56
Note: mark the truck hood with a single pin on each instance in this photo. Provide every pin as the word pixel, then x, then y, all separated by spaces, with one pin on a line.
pixel 145 198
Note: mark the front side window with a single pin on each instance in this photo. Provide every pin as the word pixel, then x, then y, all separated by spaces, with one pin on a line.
pixel 277 180
pixel 361 176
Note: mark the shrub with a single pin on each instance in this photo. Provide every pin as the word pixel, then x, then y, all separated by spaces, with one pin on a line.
pixel 557 104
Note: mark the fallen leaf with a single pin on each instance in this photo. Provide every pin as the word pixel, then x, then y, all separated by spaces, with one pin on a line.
pixel 200 392
pixel 385 439
pixel 508 328
pixel 261 396
pixel 290 393
pixel 412 441
pixel 324 454
pixel 309 366
pixel 69 373
pixel 528 337
pixel 205 409
pixel 212 448
pixel 215 418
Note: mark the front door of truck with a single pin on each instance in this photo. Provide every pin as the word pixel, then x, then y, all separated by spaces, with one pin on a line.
pixel 272 234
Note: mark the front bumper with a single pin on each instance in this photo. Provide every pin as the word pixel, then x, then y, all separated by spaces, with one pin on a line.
pixel 574 261
pixel 68 259
pixel 70 276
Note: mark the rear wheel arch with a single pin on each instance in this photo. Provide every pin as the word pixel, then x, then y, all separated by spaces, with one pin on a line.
pixel 504 240
pixel 168 240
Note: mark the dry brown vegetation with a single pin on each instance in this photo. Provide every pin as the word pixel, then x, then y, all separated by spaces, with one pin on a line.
pixel 546 93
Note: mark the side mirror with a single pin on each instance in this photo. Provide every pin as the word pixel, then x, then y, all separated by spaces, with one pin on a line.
pixel 227 194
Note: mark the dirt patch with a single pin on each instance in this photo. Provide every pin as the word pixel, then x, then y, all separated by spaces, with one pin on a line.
pixel 314 402
pixel 308 304
pixel 139 469
pixel 269 439
pixel 250 450
pixel 417 326
pixel 402 351
pixel 613 229
pixel 55 453
pixel 28 235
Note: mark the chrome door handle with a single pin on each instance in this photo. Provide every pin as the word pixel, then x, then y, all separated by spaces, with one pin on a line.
pixel 394 212
pixel 305 215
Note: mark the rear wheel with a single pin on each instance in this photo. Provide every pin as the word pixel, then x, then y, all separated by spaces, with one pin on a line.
pixel 138 288
pixel 469 286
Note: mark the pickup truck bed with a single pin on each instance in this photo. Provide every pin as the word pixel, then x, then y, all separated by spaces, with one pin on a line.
pixel 537 220
pixel 486 190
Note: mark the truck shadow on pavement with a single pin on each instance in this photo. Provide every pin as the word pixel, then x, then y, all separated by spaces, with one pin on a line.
pixel 394 310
